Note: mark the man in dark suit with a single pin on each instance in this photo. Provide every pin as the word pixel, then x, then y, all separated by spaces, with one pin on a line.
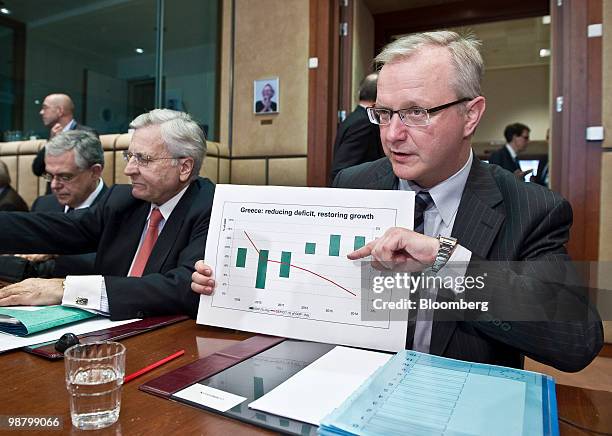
pixel 147 236
pixel 358 140
pixel 469 213
pixel 74 160
pixel 57 114
pixel 9 198
pixel 517 138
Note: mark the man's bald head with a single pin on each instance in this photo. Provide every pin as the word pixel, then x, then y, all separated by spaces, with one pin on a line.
pixel 57 108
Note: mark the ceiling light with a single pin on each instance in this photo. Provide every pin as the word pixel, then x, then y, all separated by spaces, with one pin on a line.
pixel 139 50
pixel 5 11
pixel 546 19
pixel 544 52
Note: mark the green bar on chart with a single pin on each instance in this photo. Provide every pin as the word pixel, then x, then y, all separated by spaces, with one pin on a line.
pixel 241 258
pixel 359 242
pixel 262 268
pixel 334 245
pixel 285 264
pixel 258 387
pixel 310 248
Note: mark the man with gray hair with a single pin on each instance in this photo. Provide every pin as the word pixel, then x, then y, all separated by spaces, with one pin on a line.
pixel 147 236
pixel 428 106
pixel 74 161
pixel 9 198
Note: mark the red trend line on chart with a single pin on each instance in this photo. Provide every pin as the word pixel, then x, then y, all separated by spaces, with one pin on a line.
pixel 300 268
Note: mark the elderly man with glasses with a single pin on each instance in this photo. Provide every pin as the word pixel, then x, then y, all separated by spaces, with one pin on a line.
pixel 495 230
pixel 146 236
pixel 74 161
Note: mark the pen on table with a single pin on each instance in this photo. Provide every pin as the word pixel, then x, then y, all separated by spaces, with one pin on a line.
pixel 152 366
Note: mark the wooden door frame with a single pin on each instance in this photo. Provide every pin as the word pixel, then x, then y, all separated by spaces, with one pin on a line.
pixel 577 77
pixel 322 88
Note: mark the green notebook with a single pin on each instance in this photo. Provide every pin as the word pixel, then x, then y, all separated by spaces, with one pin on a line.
pixel 25 322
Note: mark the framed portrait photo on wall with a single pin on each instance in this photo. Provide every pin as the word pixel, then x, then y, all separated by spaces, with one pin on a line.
pixel 266 96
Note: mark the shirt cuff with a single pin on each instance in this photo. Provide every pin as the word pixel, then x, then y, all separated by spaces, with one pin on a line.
pixel 457 265
pixel 86 292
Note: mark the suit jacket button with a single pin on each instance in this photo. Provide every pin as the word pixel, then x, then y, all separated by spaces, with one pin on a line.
pixel 140 314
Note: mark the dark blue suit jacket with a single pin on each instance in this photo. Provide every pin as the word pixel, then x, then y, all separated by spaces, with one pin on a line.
pixel 78 264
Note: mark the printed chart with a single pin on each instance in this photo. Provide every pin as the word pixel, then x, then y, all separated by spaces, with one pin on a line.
pixel 280 260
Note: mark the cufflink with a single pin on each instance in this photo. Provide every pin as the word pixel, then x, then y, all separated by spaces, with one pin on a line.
pixel 81 301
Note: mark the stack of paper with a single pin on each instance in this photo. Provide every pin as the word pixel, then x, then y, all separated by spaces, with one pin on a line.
pixel 23 321
pixel 420 394
pixel 321 386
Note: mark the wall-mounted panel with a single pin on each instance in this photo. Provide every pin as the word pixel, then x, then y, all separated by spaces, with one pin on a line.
pixel 271 41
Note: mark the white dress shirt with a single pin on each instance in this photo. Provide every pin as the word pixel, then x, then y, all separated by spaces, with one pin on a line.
pixel 439 220
pixel 71 125
pixel 513 154
pixel 89 292
pixel 89 200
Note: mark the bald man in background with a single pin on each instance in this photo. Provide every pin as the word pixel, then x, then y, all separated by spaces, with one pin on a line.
pixel 57 115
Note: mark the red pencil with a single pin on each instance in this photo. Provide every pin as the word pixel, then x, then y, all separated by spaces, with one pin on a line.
pixel 152 366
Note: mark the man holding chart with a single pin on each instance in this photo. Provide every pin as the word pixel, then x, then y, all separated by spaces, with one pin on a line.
pixel 428 107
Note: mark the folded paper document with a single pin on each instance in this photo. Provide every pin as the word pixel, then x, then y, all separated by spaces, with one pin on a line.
pixel 23 321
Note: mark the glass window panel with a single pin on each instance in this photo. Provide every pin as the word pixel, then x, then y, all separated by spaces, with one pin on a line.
pixel 7 84
pixel 87 49
pixel 191 58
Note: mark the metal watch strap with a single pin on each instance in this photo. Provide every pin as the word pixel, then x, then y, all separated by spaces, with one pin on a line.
pixel 447 246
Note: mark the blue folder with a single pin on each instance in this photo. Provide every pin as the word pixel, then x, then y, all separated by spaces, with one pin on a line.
pixel 421 394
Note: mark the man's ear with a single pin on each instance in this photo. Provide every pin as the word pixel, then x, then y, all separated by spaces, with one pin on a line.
pixel 97 170
pixel 474 111
pixel 185 168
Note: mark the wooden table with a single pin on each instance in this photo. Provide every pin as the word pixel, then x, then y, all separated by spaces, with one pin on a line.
pixel 32 385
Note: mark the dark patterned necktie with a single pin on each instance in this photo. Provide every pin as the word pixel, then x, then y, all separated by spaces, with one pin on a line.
pixel 422 202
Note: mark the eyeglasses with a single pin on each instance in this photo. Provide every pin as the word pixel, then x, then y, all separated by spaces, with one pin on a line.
pixel 143 160
pixel 63 178
pixel 413 116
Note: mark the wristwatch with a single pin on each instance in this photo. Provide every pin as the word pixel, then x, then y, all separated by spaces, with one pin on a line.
pixel 447 246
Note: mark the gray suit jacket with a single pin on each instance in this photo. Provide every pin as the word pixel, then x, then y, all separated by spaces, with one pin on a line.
pixel 503 219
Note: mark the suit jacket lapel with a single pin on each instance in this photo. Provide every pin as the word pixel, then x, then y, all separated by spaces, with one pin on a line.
pixel 100 194
pixel 169 233
pixel 128 239
pixel 383 177
pixel 476 226
pixel 478 222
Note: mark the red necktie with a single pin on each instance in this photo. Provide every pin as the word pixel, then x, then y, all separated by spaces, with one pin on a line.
pixel 147 244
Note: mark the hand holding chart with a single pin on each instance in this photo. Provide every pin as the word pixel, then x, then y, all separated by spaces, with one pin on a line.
pixel 279 260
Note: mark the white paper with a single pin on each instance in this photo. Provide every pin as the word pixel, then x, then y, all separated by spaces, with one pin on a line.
pixel 210 397
pixel 28 308
pixel 314 392
pixel 10 342
pixel 315 293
